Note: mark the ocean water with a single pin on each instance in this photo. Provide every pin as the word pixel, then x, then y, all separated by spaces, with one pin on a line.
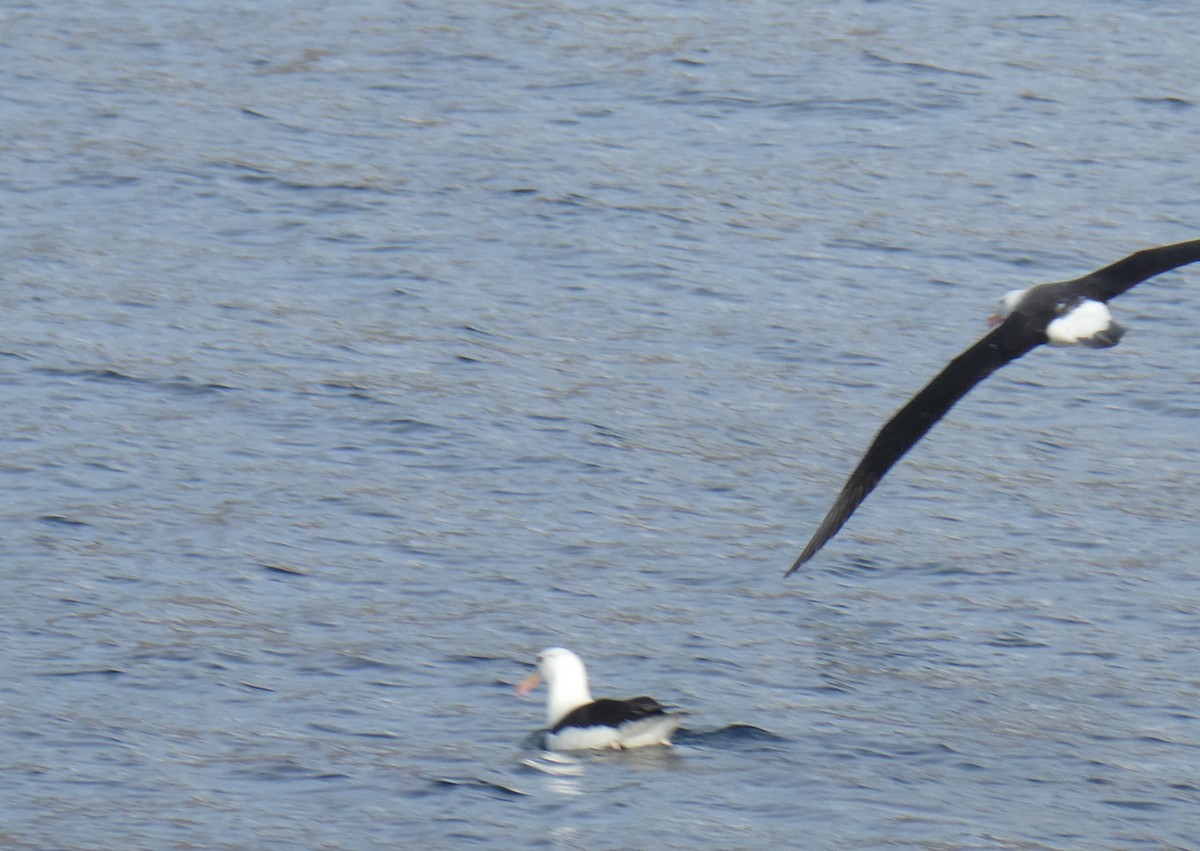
pixel 352 355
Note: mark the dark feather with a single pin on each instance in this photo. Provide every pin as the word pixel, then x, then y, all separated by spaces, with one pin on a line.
pixel 1123 275
pixel 607 712
pixel 1022 331
pixel 1007 342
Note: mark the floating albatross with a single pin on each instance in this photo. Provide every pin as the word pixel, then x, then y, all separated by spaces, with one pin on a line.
pixel 576 722
pixel 1066 313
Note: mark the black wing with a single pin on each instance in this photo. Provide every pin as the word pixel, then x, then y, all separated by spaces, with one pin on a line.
pixel 610 713
pixel 1011 339
pixel 1113 280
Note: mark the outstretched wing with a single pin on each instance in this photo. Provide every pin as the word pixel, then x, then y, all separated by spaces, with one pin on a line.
pixel 1113 280
pixel 1007 342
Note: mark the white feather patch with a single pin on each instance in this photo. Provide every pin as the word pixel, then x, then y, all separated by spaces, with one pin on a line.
pixel 644 732
pixel 1086 320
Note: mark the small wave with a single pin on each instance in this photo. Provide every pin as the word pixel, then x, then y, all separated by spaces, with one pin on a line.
pixel 554 764
pixel 88 374
pixel 362 734
pixel 86 672
pixel 478 783
pixel 182 384
pixel 179 384
pixel 285 569
pixel 359 662
pixel 60 520
pixel 736 736
pixel 349 390
pixel 403 425
pixel 1012 639
pixel 1136 805
pixel 285 769
pixel 1169 101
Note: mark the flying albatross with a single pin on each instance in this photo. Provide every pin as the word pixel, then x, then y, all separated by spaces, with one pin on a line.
pixel 576 722
pixel 1066 313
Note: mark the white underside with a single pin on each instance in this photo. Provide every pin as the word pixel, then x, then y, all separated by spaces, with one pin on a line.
pixel 631 734
pixel 1087 320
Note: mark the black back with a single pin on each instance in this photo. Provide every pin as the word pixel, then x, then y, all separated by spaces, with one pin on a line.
pixel 607 712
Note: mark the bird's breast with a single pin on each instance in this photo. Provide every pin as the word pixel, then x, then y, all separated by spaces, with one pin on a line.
pixel 1081 325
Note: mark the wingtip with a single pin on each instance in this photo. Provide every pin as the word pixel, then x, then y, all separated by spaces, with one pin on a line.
pixel 797 563
pixel 810 549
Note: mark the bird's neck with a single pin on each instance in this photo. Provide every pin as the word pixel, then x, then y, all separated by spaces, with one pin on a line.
pixel 565 696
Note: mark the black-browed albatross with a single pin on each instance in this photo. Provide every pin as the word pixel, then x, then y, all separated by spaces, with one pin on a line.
pixel 1066 313
pixel 576 722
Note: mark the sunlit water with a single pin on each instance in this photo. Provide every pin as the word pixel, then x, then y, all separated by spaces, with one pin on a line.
pixel 354 354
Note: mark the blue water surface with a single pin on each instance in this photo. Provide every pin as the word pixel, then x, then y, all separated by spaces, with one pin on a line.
pixel 352 354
